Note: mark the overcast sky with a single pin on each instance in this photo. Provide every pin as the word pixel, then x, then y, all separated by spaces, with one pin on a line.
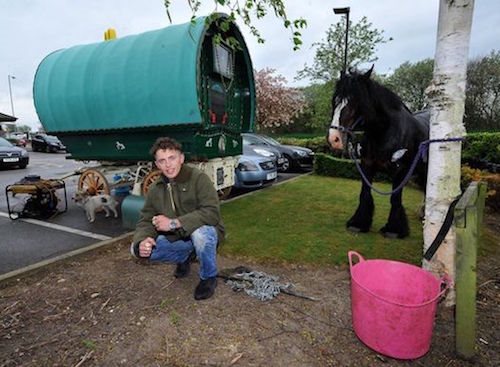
pixel 31 29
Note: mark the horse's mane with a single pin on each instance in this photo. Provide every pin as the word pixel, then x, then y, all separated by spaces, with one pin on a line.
pixel 370 97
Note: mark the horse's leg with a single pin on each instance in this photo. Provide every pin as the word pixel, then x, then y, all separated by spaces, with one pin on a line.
pixel 361 221
pixel 397 224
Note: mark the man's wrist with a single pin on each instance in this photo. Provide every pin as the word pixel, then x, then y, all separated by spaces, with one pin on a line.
pixel 174 224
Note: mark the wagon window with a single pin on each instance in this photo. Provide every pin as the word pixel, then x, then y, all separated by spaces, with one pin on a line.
pixel 223 61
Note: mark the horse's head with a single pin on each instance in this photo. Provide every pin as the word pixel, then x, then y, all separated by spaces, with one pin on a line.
pixel 347 107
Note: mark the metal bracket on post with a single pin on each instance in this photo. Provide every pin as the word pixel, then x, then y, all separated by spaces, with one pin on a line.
pixel 468 224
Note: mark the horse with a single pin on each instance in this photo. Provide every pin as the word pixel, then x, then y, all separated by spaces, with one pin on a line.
pixel 390 139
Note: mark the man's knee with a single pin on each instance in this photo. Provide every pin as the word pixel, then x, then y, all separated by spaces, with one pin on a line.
pixel 204 236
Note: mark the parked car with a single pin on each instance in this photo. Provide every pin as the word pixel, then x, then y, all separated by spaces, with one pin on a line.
pixel 18 140
pixel 46 143
pixel 254 171
pixel 12 156
pixel 253 146
pixel 294 157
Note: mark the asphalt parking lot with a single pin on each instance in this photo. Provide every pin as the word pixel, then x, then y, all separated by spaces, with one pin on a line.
pixel 27 241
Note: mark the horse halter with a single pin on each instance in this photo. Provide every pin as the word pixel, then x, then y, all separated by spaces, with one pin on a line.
pixel 350 137
pixel 348 130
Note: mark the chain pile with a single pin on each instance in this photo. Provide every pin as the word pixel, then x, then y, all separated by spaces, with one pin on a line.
pixel 258 284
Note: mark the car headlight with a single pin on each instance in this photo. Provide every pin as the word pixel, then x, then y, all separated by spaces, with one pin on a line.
pixel 247 166
pixel 24 153
pixel 301 153
pixel 265 153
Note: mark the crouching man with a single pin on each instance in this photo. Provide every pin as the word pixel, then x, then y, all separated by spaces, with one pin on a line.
pixel 181 218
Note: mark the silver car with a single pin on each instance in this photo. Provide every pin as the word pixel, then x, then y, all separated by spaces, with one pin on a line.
pixel 254 171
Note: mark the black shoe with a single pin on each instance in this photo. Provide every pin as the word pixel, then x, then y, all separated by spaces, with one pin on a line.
pixel 205 289
pixel 182 269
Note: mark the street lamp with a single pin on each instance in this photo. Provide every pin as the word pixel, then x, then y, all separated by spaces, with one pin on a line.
pixel 9 77
pixel 346 12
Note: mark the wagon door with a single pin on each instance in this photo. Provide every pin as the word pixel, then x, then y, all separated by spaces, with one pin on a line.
pixel 226 90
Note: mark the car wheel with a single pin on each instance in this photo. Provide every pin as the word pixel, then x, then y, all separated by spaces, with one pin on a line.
pixel 287 164
pixel 47 149
pixel 22 166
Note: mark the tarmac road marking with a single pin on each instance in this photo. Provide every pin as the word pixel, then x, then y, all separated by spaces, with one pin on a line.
pixel 61 228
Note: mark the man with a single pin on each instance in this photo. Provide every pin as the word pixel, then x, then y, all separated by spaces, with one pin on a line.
pixel 181 218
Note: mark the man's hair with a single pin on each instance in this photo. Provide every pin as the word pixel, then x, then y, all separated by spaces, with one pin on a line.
pixel 165 143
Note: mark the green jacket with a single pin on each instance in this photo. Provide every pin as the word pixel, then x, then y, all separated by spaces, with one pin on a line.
pixel 191 198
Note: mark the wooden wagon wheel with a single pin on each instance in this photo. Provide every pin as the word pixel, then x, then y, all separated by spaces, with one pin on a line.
pixel 93 182
pixel 149 179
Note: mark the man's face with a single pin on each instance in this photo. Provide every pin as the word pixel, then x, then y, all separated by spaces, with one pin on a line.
pixel 169 162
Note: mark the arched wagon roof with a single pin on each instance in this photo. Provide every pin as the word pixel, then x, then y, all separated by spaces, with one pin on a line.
pixel 137 81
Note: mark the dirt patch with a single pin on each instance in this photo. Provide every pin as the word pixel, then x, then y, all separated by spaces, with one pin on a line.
pixel 103 309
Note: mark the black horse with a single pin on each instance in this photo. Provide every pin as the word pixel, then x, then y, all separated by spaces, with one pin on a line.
pixel 390 140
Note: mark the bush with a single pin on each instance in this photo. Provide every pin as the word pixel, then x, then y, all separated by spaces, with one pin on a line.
pixel 492 180
pixel 481 147
pixel 325 165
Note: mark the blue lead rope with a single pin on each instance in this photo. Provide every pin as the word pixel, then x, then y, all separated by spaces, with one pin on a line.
pixel 422 151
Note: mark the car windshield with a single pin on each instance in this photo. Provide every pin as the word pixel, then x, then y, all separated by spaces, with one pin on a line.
pixel 270 140
pixel 52 139
pixel 5 143
pixel 250 140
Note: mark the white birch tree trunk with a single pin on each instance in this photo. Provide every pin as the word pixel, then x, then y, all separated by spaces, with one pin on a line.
pixel 447 99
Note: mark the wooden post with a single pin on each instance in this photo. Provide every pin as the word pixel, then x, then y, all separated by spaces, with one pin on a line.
pixel 468 224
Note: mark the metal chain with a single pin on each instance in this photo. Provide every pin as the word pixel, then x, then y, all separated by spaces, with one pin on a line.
pixel 258 284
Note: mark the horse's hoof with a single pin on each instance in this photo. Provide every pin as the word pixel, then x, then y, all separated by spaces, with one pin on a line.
pixel 390 235
pixel 354 229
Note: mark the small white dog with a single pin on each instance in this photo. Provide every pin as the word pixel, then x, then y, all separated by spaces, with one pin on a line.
pixel 93 204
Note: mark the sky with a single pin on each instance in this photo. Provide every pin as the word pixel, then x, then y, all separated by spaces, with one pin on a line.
pixel 31 29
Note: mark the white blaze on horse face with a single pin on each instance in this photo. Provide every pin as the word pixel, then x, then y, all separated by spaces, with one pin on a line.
pixel 334 136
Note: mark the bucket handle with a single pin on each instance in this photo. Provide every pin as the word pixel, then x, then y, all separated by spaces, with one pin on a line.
pixel 350 254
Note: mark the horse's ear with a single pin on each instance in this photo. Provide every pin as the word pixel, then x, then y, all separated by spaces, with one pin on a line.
pixel 368 73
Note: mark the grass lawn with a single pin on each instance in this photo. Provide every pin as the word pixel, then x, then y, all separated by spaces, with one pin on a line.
pixel 303 221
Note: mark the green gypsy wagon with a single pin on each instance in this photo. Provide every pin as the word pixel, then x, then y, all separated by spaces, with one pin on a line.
pixel 109 101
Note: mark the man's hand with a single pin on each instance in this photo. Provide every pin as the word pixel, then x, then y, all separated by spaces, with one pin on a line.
pixel 146 246
pixel 162 223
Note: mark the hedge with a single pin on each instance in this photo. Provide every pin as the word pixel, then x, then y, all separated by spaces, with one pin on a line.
pixel 326 165
pixel 484 147
pixel 477 147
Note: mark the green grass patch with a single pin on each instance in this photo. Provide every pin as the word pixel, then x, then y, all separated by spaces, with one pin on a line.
pixel 303 221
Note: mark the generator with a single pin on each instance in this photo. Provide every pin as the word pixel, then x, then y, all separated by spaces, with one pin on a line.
pixel 37 198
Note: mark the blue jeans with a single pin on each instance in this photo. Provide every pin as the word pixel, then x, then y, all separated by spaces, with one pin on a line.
pixel 203 241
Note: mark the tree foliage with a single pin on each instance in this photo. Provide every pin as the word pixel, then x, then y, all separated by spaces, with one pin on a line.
pixel 277 104
pixel 329 57
pixel 248 11
pixel 482 103
pixel 317 114
pixel 410 80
